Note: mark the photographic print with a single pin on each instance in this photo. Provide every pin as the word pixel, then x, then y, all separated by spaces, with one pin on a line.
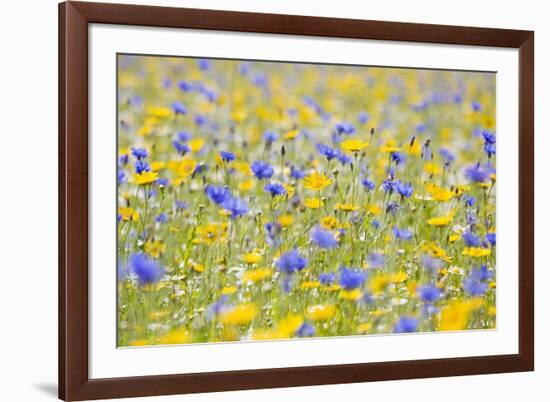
pixel 283 200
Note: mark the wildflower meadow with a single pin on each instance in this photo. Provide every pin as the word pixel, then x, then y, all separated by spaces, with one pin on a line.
pixel 271 200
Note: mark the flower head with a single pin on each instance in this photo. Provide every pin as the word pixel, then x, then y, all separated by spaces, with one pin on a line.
pixel 139 153
pixel 217 194
pixel 317 181
pixel 323 238
pixel 353 145
pixel 291 262
pixel 147 270
pixel 235 206
pixel 352 278
pixel 405 324
pixel 227 156
pixel 275 189
pixel 262 170
pixel 328 152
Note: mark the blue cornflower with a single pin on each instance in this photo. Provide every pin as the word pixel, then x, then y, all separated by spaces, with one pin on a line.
pixel 124 159
pixel 404 189
pixel 389 185
pixel 470 239
pixel 305 330
pixel 476 106
pixel 375 260
pixel 431 263
pixel 447 155
pixel 186 86
pixel 327 279
pixel 162 182
pixel 345 159
pixel 270 136
pixel 363 117
pixel 392 207
pixel 402 234
pixel 227 156
pixel 474 286
pixel 139 153
pixel 204 64
pixel 291 262
pixel 352 278
pixel 344 128
pixel 262 170
pixel 184 136
pixel 199 120
pixel 180 205
pixel 368 184
pixel 218 307
pixel 405 324
pixel 375 223
pixel 420 127
pixel 121 176
pixel 275 189
pixel 429 293
pixel 296 173
pixel 477 173
pixel 236 206
pixel 146 269
pixel 492 238
pixel 217 194
pixel 141 166
pixel 273 232
pixel 469 200
pixel 323 238
pixel 328 152
pixel 398 157
pixel 162 218
pixel 181 147
pixel 179 108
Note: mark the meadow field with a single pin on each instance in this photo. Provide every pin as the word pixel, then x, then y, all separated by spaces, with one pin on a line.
pixel 263 200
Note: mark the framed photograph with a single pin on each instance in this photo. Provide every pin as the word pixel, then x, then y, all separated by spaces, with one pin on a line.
pixel 260 200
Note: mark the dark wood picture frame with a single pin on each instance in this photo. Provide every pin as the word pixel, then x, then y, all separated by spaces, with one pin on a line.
pixel 74 18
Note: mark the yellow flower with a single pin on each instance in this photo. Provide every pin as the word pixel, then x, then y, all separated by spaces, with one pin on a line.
pixel 476 251
pixel 154 248
pixel 432 168
pixel 257 275
pixel 364 328
pixel 195 266
pixel 289 325
pixel 398 277
pixel 286 220
pixel 329 222
pixel 316 181
pixel 210 233
pixel 229 290
pixel 186 167
pixel 158 111
pixel 346 207
pixel 313 203
pixel 373 209
pixel 439 193
pixel 440 220
pixel 174 337
pixel 379 283
pixel 320 312
pixel 239 315
pixel 145 178
pixel 252 258
pixel 353 145
pixel 239 114
pixel 453 238
pixel 196 144
pixel 331 288
pixel 290 135
pixel 128 214
pixel 310 285
pixel 454 317
pixel 242 167
pixel 247 185
pixel 352 295
pixel 157 166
